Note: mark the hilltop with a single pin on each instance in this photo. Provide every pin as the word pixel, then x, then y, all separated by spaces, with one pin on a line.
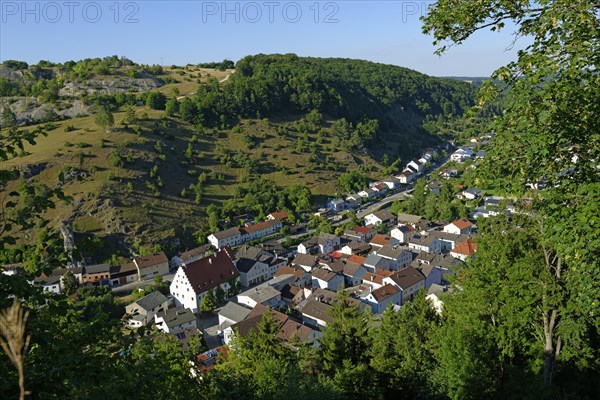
pixel 228 138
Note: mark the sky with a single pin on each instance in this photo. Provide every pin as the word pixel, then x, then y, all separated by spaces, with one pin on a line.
pixel 193 31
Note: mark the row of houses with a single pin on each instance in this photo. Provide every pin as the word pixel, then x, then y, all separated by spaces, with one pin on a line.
pixel 239 235
pixel 140 268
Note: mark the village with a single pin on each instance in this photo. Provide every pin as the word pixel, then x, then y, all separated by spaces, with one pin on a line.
pixel 223 288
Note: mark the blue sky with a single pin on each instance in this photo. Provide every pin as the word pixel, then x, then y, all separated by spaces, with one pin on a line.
pixel 181 32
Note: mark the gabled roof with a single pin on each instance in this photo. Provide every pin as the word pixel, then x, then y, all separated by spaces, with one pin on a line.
pixel 405 228
pixel 323 274
pixel 209 272
pixel 384 292
pixel 391 252
pixel 234 311
pixel 409 218
pixel 227 233
pixel 462 223
pixel 151 301
pixel 365 230
pixel 384 215
pixel 97 269
pixel 198 251
pixel 151 260
pixel 305 259
pixel 381 240
pixel 407 277
pixel 260 226
pixel 467 248
pixel 317 310
pixel 177 316
pixel 290 270
pixel 254 253
pixel 279 215
pixel 451 237
pixel 261 293
pixel 360 260
pixel 244 265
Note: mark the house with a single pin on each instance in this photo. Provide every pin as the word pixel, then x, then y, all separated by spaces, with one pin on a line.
pixel 444 241
pixel 353 274
pixel 316 313
pixel 123 274
pixel 280 215
pixel 231 313
pixel 368 193
pixel 264 294
pixel 403 233
pixel 409 219
pixel 480 155
pixel 435 267
pixel 292 295
pixel 352 202
pixel 415 166
pixel 239 235
pixel 461 155
pixel 305 261
pixel 208 360
pixel 50 283
pixel 358 248
pixel 461 226
pixel 193 281
pixel 406 177
pixel 143 310
pixel 337 205
pixel 422 243
pixel 400 256
pixel 76 271
pixel 374 262
pixel 435 187
pixel 382 217
pixel 356 259
pixel 392 182
pixel 325 279
pixel 175 319
pixel 374 279
pixel 434 294
pixel 408 280
pixel 381 188
pixel 464 249
pixel 361 233
pixel 310 246
pixel 151 265
pixel 301 277
pixel 380 298
pixel 190 255
pixel 472 194
pixel 449 173
pixel 97 274
pixel 290 331
pixel 380 240
pixel 327 243
pixel 256 265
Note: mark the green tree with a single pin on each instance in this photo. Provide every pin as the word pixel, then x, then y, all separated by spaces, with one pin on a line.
pixel 104 119
pixel 70 283
pixel 208 302
pixel 219 295
pixel 555 72
pixel 156 100
pixel 352 181
pixel 8 116
pixel 172 107
pixel 403 349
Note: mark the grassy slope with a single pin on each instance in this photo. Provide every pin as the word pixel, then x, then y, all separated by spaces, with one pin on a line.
pixel 141 212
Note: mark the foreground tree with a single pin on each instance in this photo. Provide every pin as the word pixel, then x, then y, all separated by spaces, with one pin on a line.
pixel 104 119
pixel 550 133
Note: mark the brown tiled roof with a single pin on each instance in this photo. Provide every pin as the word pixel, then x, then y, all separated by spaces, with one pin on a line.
pixel 227 233
pixel 195 252
pixel 407 277
pixel 467 248
pixel 372 277
pixel 381 240
pixel 356 259
pixel 305 259
pixel 290 270
pixel 462 223
pixel 323 274
pixel 279 215
pixel 151 260
pixel 365 230
pixel 209 272
pixel 384 292
pixel 317 310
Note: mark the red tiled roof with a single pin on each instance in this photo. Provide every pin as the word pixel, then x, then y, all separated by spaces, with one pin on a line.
pixel 356 259
pixel 363 229
pixel 336 254
pixel 279 215
pixel 260 226
pixel 381 240
pixel 467 248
